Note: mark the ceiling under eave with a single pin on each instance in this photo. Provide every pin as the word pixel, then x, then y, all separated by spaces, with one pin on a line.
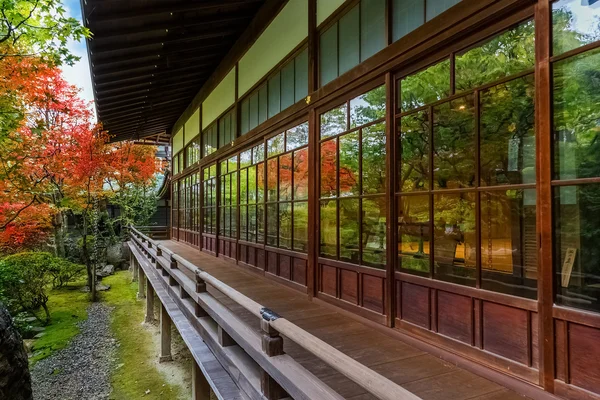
pixel 149 58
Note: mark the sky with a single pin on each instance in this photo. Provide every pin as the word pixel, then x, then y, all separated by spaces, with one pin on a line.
pixel 78 74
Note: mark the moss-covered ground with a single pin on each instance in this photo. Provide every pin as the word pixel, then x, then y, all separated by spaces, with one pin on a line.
pixel 67 306
pixel 135 375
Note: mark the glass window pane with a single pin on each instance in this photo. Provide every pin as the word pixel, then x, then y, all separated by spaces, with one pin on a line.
pixel 349 230
pixel 507 133
pixel 372 27
pixel 575 24
pixel 454 237
pixel 243 186
pixel 504 55
pixel 577 116
pixel 301 226
pixel 373 232
pixel 258 153
pixel 287 85
pixel 301 76
pixel 509 242
pixel 436 7
pixel 251 218
pixel 272 179
pixel 408 16
pixel 424 87
pixel 296 137
pixel 272 222
pixel 328 57
pixel 260 180
pixel 274 95
pixel 245 117
pixel 262 104
pixel 285 225
pixel 301 174
pixel 252 184
pixel 454 140
pixel 245 158
pixel 577 254
pixel 414 234
pixel 373 159
pixel 260 223
pixel 328 229
pixel 275 145
pixel 367 107
pixel 334 122
pixel 285 177
pixel 243 223
pixel 349 40
pixel 233 178
pixel 413 165
pixel 329 168
pixel 254 110
pixel 348 164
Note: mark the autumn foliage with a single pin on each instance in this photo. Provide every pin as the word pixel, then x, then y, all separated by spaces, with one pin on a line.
pixel 56 158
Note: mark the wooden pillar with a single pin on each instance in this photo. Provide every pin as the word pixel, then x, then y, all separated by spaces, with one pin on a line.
pixel 200 386
pixel 141 284
pixel 165 335
pixel 135 270
pixel 272 345
pixel 149 303
pixel 543 109
pixel 200 288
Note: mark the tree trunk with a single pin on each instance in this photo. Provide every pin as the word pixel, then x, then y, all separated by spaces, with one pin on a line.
pixel 90 266
pixel 47 312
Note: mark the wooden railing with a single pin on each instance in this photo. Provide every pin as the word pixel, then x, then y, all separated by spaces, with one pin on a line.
pixel 155 232
pixel 281 374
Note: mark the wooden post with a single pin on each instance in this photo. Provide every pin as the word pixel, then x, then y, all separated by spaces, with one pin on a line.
pixel 165 335
pixel 200 386
pixel 200 288
pixel 272 345
pixel 136 267
pixel 141 284
pixel 149 303
pixel 224 339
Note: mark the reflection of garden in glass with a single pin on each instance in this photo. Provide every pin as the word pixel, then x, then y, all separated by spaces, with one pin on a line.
pixel 228 202
pixel 209 204
pixel 352 166
pixel 574 25
pixel 251 192
pixel 499 117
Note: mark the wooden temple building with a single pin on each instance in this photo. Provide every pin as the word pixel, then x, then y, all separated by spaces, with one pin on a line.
pixel 392 199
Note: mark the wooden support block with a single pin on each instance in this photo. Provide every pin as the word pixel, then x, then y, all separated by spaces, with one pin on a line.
pixel 200 283
pixel 173 262
pixel 165 272
pixel 165 335
pixel 200 385
pixel 172 281
pixel 149 318
pixel 158 252
pixel 182 293
pixel 200 311
pixel 224 339
pixel 270 388
pixel 272 343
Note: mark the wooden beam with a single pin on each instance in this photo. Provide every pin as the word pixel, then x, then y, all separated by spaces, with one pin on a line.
pixel 165 335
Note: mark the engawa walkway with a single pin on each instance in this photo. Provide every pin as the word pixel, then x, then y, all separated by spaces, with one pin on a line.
pixel 417 371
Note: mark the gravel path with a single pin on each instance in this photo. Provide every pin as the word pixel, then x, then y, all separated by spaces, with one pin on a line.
pixel 81 370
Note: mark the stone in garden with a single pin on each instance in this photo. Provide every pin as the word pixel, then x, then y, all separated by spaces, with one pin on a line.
pixel 106 270
pixel 15 381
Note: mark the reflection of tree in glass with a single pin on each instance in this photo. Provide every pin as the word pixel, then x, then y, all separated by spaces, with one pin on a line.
pixel 414 152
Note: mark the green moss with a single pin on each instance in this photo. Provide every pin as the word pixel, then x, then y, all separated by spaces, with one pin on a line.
pixel 67 306
pixel 136 353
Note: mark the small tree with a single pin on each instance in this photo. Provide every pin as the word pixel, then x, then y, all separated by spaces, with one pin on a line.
pixel 24 278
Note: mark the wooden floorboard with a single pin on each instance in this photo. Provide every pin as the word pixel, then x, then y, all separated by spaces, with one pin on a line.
pixel 423 374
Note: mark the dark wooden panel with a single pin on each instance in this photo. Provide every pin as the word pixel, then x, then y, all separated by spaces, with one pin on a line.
pixel 535 348
pixel 415 304
pixel 477 322
pixel 349 286
pixel 233 250
pixel 559 352
pixel 372 293
pixel 299 271
pixel 505 331
pixel 260 259
pixel 454 316
pixel 243 253
pixel 584 357
pixel 251 257
pixel 272 262
pixel 328 280
pixel 285 267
